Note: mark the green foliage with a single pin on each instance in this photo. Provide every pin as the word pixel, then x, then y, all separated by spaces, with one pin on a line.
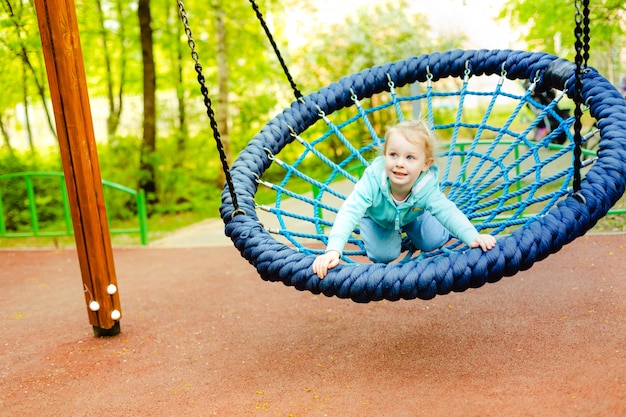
pixel 371 35
pixel 188 165
pixel 186 177
pixel 120 31
pixel 551 29
pixel 14 192
pixel 18 49
pixel 49 206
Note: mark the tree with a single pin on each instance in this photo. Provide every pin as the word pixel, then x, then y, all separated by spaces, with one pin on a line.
pixel 110 37
pixel 551 29
pixel 10 94
pixel 175 154
pixel 350 46
pixel 182 133
pixel 20 38
pixel 115 98
pixel 222 82
pixel 147 181
pixel 240 73
pixel 5 135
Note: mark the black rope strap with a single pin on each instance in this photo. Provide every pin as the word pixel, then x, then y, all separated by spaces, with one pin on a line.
pixel 259 15
pixel 209 108
pixel 581 32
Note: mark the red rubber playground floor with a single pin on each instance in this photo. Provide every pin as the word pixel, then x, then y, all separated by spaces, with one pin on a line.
pixel 203 335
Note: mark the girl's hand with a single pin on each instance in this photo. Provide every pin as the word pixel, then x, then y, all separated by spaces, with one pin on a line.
pixel 485 242
pixel 324 262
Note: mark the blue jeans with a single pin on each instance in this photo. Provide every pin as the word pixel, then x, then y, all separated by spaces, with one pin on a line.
pixel 383 245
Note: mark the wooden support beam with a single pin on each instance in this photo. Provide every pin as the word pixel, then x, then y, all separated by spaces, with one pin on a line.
pixel 63 56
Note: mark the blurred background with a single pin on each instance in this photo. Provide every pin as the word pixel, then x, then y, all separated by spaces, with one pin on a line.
pixel 172 156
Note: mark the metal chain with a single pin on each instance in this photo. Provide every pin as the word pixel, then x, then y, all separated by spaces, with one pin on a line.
pixel 259 15
pixel 581 33
pixel 209 108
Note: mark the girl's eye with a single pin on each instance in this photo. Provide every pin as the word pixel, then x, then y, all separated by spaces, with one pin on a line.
pixel 410 157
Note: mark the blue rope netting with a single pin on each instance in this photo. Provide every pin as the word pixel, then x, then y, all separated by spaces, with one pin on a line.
pixel 509 182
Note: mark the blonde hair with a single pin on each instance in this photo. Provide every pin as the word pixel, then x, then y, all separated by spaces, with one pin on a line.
pixel 416 132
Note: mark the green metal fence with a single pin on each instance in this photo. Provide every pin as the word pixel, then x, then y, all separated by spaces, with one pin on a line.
pixel 68 230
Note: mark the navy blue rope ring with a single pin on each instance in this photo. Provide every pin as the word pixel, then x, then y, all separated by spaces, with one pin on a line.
pixel 602 186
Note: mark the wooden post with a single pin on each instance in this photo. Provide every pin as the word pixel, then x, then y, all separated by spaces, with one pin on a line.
pixel 58 28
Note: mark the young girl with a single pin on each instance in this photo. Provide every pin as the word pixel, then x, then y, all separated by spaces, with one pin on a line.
pixel 399 192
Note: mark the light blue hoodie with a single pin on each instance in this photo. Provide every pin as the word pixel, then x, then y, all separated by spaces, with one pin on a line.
pixel 372 196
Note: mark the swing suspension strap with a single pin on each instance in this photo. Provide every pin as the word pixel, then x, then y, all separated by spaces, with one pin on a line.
pixel 581 32
pixel 209 108
pixel 259 15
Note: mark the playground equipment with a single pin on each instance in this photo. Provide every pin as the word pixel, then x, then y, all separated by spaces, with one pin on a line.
pixel 58 28
pixel 509 185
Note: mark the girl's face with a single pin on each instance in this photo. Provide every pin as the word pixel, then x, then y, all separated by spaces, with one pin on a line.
pixel 405 161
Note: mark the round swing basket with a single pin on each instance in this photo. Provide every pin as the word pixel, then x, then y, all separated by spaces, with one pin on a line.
pixel 494 165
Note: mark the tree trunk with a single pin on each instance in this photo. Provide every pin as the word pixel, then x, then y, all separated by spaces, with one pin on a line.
pixel 42 92
pixel 182 134
pixel 115 101
pixel 29 131
pixel 5 135
pixel 222 83
pixel 147 180
pixel 22 51
pixel 123 55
